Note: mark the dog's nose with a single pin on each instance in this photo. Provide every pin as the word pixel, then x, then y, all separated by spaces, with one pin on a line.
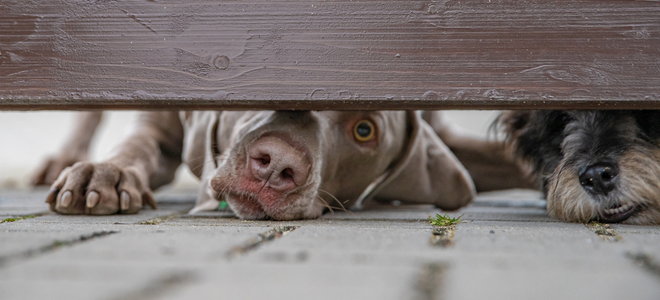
pixel 277 163
pixel 599 178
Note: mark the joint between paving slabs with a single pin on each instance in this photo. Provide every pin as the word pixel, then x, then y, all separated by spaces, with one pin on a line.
pixel 259 240
pixel 155 220
pixel 21 218
pixel 604 231
pixel 161 286
pixel 645 261
pixel 429 283
pixel 159 220
pixel 57 244
pixel 443 236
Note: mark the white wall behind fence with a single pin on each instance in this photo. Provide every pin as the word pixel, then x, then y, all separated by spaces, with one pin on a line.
pixel 26 138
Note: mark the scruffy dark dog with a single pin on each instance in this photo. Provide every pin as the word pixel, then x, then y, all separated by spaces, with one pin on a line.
pixel 592 165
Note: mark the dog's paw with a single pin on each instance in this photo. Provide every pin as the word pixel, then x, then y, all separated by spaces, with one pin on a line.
pixel 51 168
pixel 99 189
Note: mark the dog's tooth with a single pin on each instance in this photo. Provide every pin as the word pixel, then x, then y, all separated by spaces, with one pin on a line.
pixel 620 209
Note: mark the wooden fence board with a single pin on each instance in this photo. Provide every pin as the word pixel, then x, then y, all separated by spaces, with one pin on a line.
pixel 244 54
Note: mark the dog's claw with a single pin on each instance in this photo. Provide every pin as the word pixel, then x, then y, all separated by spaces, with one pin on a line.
pixel 65 199
pixel 92 199
pixel 150 200
pixel 52 196
pixel 125 200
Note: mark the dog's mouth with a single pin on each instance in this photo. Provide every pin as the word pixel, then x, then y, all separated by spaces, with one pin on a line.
pixel 251 206
pixel 246 204
pixel 619 213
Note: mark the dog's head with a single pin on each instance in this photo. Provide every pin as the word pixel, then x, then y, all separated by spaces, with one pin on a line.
pixel 593 165
pixel 288 165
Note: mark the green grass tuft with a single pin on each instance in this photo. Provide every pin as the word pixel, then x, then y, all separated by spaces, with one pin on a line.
pixel 8 220
pixel 444 220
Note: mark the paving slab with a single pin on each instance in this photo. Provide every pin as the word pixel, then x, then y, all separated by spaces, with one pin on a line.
pixel 269 280
pixel 18 203
pixel 506 247
pixel 517 260
pixel 129 259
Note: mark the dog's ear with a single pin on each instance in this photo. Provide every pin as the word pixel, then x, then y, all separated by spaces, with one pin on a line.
pixel 200 146
pixel 536 136
pixel 531 132
pixel 200 153
pixel 428 172
pixel 513 122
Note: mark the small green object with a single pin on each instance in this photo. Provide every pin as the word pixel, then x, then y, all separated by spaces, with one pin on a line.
pixel 444 220
pixel 9 220
pixel 223 205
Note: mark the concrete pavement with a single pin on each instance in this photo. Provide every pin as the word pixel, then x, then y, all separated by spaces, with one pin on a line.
pixel 505 248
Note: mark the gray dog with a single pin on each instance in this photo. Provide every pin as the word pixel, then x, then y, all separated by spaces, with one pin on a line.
pixel 592 165
pixel 278 165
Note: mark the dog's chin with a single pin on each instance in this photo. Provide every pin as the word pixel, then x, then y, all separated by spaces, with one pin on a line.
pixel 630 213
pixel 249 207
pixel 575 205
pixel 572 204
pixel 246 207
pixel 580 207
pixel 637 214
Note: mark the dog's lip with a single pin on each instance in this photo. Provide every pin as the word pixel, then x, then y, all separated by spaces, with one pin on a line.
pixel 251 202
pixel 245 200
pixel 619 213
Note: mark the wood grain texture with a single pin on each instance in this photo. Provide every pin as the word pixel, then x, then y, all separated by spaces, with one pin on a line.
pixel 399 54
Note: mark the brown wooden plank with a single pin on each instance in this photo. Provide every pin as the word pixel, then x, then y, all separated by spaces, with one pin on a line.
pixel 245 54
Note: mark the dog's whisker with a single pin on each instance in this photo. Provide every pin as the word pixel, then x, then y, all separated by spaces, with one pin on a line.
pixel 343 208
pixel 325 204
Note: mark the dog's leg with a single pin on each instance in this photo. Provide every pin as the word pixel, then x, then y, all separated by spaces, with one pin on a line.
pixel 123 183
pixel 75 149
pixel 490 163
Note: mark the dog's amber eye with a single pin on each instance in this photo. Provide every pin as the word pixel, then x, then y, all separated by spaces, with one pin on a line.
pixel 364 131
